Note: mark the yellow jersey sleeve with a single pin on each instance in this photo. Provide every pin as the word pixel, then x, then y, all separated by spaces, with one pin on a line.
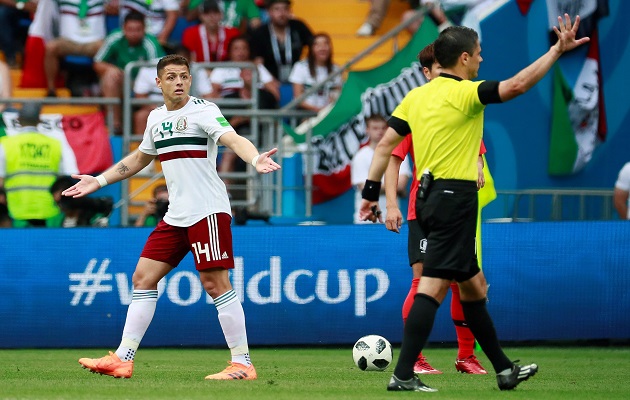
pixel 466 98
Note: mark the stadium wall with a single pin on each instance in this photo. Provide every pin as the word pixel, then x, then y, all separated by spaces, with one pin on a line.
pixel 311 285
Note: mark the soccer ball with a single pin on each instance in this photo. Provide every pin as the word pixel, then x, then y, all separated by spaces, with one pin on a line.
pixel 372 353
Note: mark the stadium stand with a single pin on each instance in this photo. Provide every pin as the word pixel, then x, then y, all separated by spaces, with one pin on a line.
pixel 343 23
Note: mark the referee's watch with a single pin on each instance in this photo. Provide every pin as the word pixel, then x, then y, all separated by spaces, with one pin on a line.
pixel 20 5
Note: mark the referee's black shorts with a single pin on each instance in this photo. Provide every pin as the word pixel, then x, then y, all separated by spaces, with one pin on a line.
pixel 416 243
pixel 448 217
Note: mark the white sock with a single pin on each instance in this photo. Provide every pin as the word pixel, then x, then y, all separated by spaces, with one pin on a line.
pixel 139 316
pixel 232 320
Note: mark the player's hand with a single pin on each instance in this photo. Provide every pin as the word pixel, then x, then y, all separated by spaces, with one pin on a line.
pixel 87 184
pixel 481 178
pixel 370 211
pixel 566 34
pixel 265 164
pixel 393 220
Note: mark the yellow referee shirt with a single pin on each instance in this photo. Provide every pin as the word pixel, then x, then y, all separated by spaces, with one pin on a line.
pixel 445 117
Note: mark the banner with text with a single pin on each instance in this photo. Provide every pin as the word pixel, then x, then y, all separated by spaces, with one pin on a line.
pixel 71 287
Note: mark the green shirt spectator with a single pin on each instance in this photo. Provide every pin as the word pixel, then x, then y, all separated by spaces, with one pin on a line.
pixel 119 49
pixel 239 14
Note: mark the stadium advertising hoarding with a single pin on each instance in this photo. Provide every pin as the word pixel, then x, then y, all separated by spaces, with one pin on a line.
pixel 309 285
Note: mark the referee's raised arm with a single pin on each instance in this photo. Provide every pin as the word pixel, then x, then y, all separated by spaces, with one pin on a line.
pixel 530 75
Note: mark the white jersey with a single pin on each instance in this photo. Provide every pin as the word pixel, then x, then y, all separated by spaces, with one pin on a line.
pixel 359 169
pixel 229 78
pixel 623 182
pixel 154 12
pixel 87 28
pixel 301 75
pixel 186 142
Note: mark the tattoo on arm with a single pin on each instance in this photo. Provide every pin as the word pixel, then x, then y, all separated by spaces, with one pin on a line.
pixel 122 169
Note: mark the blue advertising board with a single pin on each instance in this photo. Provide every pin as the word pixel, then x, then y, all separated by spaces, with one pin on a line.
pixel 310 285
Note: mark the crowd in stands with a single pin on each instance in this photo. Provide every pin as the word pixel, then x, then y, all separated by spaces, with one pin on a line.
pixel 84 46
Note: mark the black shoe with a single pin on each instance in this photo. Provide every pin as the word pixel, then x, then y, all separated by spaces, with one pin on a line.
pixel 414 384
pixel 518 374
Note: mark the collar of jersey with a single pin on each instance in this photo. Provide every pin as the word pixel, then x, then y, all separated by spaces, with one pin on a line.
pixel 445 75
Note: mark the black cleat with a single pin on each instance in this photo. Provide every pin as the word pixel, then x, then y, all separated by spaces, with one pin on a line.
pixel 518 374
pixel 413 385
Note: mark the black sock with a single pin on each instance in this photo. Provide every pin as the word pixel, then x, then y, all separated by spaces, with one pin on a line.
pixel 417 329
pixel 482 327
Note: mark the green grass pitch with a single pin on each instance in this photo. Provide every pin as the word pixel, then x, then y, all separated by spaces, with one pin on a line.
pixel 309 373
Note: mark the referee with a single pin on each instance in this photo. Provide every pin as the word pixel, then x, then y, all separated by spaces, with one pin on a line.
pixel 445 118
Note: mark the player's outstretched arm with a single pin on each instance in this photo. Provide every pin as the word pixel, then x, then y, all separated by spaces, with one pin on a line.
pixel 128 166
pixel 248 152
pixel 528 77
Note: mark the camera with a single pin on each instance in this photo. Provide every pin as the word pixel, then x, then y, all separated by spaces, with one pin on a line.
pixel 161 207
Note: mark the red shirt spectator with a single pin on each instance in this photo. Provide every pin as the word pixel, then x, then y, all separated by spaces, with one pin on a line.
pixel 208 41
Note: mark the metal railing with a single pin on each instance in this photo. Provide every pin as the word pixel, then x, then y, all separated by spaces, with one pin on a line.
pixel 554 205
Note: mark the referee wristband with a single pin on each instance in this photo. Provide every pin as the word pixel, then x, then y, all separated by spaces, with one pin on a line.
pixel 255 160
pixel 371 191
pixel 101 180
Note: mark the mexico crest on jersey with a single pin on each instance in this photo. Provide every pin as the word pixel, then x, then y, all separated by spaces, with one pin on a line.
pixel 182 124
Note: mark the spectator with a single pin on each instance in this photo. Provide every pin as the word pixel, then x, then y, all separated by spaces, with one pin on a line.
pixel 145 87
pixel 27 175
pixel 5 218
pixel 160 16
pixel 119 49
pixel 315 69
pixel 278 44
pixel 445 13
pixel 155 208
pixel 6 86
pixel 208 41
pixel 13 37
pixel 81 32
pixel 622 191
pixel 375 127
pixel 376 15
pixel 243 15
pixel 83 211
pixel 231 82
pixel 432 9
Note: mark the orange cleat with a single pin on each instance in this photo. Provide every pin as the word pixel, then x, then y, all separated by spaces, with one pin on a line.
pixel 109 365
pixel 235 371
pixel 422 366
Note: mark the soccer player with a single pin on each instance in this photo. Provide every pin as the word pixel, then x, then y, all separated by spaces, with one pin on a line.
pixel 445 118
pixel 466 361
pixel 184 134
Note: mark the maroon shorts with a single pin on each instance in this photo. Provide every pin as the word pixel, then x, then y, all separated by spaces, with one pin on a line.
pixel 210 241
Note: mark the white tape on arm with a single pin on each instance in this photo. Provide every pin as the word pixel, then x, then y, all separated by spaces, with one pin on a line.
pixel 101 180
pixel 255 160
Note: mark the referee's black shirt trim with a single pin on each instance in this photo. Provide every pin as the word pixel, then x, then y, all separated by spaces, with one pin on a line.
pixel 488 91
pixel 399 125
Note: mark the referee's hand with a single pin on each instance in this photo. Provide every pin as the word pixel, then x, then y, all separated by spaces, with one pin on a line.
pixel 370 211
